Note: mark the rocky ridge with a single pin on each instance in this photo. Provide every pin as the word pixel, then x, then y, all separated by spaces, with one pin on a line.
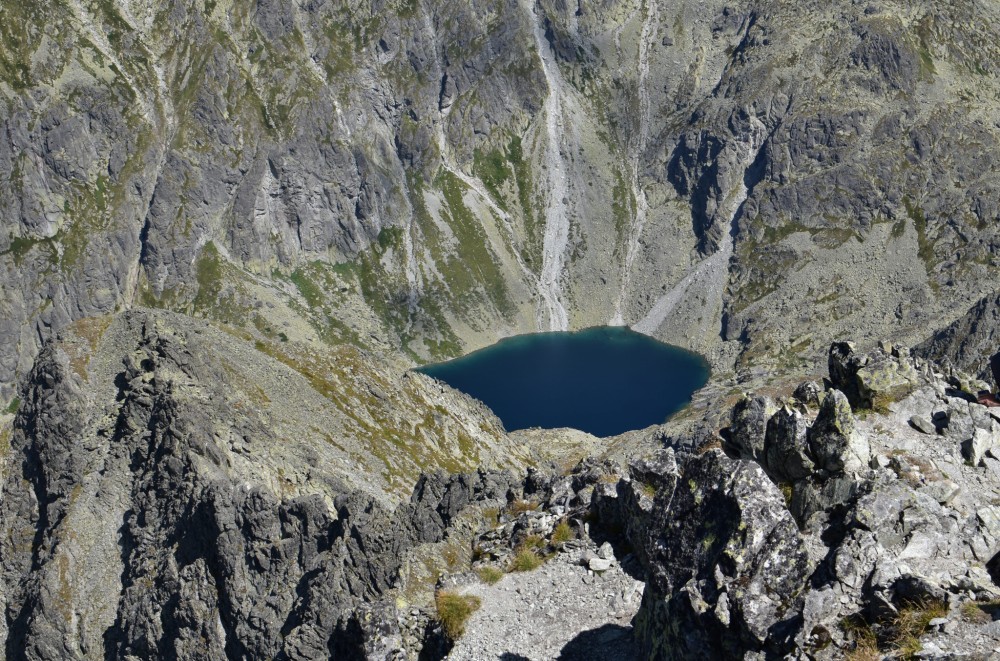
pixel 146 517
pixel 813 529
pixel 164 494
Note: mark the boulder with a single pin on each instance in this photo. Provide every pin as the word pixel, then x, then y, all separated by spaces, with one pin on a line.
pixel 748 426
pixel 809 393
pixel 599 564
pixel 371 632
pixel 725 565
pixel 628 506
pixel 981 442
pixel 843 364
pixel 834 443
pixel 923 424
pixel 884 379
pixel 872 380
pixel 786 447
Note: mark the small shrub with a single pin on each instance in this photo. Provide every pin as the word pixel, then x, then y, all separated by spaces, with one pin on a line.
pixel 864 650
pixel 900 635
pixel 454 610
pixel 563 533
pixel 533 542
pixel 786 492
pixel 881 402
pixel 911 623
pixel 489 574
pixel 521 506
pixel 452 556
pixel 648 490
pixel 973 612
pixel 525 560
pixel 865 641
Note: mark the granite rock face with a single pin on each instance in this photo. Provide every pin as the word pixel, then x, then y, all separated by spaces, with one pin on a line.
pixel 970 342
pixel 717 174
pixel 725 563
pixel 146 520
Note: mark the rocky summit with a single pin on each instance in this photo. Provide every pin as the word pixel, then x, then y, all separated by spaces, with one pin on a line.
pixel 230 230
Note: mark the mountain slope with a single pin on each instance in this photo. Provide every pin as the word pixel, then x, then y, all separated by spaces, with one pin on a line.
pixel 441 174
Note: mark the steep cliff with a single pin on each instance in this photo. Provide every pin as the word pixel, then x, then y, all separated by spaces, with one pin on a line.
pixel 726 176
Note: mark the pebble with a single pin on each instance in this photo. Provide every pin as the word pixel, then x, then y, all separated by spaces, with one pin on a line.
pixel 599 564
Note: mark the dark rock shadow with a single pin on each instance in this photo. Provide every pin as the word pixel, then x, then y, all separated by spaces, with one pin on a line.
pixel 611 642
pixel 961 394
pixel 508 656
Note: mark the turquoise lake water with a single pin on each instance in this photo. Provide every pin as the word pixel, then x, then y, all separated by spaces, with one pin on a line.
pixel 604 380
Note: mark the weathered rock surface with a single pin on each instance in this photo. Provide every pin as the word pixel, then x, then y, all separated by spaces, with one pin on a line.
pixel 150 512
pixel 315 169
pixel 876 523
pixel 970 341
pixel 148 517
pixel 725 564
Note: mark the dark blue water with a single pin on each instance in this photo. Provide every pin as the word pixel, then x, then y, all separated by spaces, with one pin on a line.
pixel 604 380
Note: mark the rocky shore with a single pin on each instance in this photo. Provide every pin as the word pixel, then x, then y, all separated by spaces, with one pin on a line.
pixel 852 519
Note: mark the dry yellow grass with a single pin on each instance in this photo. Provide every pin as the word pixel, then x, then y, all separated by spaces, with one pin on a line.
pixel 454 610
pixel 525 560
pixel 489 574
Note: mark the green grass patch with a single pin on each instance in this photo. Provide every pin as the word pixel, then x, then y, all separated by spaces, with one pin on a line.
pixel 898 637
pixel 981 612
pixel 526 559
pixel 911 623
pixel 312 294
pixel 473 266
pixel 489 574
pixel 14 405
pixel 623 207
pixel 562 533
pixel 925 247
pixel 20 246
pixel 208 274
pixel 532 252
pixel 492 169
pixel 521 505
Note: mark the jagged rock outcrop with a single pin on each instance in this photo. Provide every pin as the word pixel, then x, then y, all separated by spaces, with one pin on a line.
pixel 870 380
pixel 786 446
pixel 724 561
pixel 146 526
pixel 750 417
pixel 144 520
pixel 876 523
pixel 970 342
pixel 835 444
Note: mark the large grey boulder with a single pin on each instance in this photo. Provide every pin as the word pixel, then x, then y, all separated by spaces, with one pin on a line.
pixel 748 427
pixel 976 447
pixel 834 442
pixel 725 563
pixel 871 380
pixel 843 363
pixel 786 447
